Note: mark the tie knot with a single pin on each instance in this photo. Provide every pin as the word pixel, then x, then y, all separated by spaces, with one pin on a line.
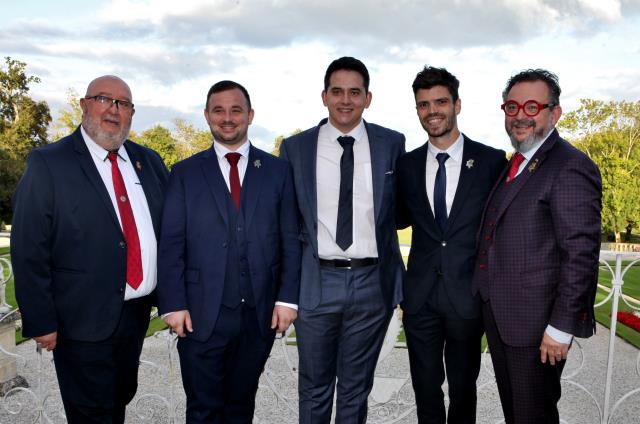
pixel 233 158
pixel 346 140
pixel 113 157
pixel 442 158
pixel 518 158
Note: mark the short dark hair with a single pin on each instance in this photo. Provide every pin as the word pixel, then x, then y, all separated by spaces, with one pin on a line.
pixel 227 85
pixel 347 63
pixel 430 77
pixel 532 75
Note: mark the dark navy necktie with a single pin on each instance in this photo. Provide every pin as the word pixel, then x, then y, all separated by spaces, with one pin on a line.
pixel 344 227
pixel 440 192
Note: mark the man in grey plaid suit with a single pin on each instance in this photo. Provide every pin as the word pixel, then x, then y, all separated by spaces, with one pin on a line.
pixel 537 263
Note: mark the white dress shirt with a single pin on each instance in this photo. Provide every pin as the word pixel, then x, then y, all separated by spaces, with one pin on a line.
pixel 139 206
pixel 328 193
pixel 554 333
pixel 221 150
pixel 453 165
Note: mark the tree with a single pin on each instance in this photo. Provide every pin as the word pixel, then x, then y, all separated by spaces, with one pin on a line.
pixel 159 139
pixel 190 139
pixel 69 117
pixel 23 126
pixel 279 139
pixel 609 132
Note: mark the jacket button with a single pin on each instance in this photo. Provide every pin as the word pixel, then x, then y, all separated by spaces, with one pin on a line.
pixel 487 237
pixel 444 243
pixel 122 244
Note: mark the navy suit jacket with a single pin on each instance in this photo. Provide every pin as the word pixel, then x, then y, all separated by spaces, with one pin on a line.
pixel 449 256
pixel 67 247
pixel 543 261
pixel 193 248
pixel 386 146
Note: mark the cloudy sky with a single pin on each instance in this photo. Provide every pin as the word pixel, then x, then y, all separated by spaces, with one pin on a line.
pixel 171 52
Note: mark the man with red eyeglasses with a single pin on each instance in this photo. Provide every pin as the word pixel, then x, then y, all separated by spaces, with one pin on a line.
pixel 537 265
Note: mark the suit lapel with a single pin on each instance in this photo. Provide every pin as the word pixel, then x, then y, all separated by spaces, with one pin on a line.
pixel 215 181
pixel 252 185
pixel 378 161
pixel 532 166
pixel 465 181
pixel 89 168
pixel 308 155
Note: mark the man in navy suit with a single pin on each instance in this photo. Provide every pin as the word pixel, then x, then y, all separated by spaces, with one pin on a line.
pixel 442 189
pixel 537 264
pixel 83 246
pixel 344 172
pixel 229 261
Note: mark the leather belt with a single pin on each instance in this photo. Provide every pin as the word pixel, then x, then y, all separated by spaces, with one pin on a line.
pixel 348 263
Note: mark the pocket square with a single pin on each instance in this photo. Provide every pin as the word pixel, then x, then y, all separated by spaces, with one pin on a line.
pixel 390 172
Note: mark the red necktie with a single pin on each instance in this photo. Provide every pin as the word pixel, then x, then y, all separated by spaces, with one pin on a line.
pixel 234 177
pixel 515 165
pixel 134 261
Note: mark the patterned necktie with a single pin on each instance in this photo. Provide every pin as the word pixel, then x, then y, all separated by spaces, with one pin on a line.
pixel 440 192
pixel 515 165
pixel 234 177
pixel 344 227
pixel 129 229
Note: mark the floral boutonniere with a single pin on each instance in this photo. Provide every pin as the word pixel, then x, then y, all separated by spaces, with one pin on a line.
pixel 533 166
pixel 469 163
pixel 257 163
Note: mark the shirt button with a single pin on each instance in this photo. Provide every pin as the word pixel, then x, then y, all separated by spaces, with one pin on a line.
pixel 444 243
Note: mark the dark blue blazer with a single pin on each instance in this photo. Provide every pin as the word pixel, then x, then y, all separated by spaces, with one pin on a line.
pixel 449 256
pixel 67 247
pixel 386 146
pixel 193 248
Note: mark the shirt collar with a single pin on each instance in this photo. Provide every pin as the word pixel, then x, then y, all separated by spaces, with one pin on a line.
pixel 454 151
pixel 222 150
pixel 357 132
pixel 99 151
pixel 532 151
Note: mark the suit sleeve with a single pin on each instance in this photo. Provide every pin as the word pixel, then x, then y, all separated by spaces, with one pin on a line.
pixel 31 244
pixel 171 251
pixel 291 253
pixel 575 207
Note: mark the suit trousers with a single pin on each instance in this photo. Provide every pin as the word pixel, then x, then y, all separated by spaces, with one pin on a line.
pixel 341 338
pixel 529 390
pixel 98 379
pixel 220 376
pixel 434 329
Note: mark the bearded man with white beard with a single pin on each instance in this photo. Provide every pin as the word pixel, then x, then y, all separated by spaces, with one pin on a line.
pixel 537 265
pixel 83 246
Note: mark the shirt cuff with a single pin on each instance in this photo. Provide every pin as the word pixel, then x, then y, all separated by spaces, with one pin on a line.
pixel 288 305
pixel 558 336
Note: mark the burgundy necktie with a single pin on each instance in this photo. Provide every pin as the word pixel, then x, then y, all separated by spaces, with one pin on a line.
pixel 515 165
pixel 134 260
pixel 234 177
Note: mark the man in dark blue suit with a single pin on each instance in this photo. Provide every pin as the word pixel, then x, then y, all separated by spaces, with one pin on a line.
pixel 344 171
pixel 442 189
pixel 229 261
pixel 83 246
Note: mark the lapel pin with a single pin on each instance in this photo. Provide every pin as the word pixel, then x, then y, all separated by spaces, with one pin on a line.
pixel 138 165
pixel 257 163
pixel 469 163
pixel 533 166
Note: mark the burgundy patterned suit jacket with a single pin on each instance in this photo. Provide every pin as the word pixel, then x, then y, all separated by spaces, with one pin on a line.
pixel 542 262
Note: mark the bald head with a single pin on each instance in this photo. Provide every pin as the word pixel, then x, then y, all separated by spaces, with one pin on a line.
pixel 107 122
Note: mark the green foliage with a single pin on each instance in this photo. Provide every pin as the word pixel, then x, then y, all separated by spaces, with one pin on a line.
pixel 23 126
pixel 159 139
pixel 609 132
pixel 69 117
pixel 279 139
pixel 190 139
